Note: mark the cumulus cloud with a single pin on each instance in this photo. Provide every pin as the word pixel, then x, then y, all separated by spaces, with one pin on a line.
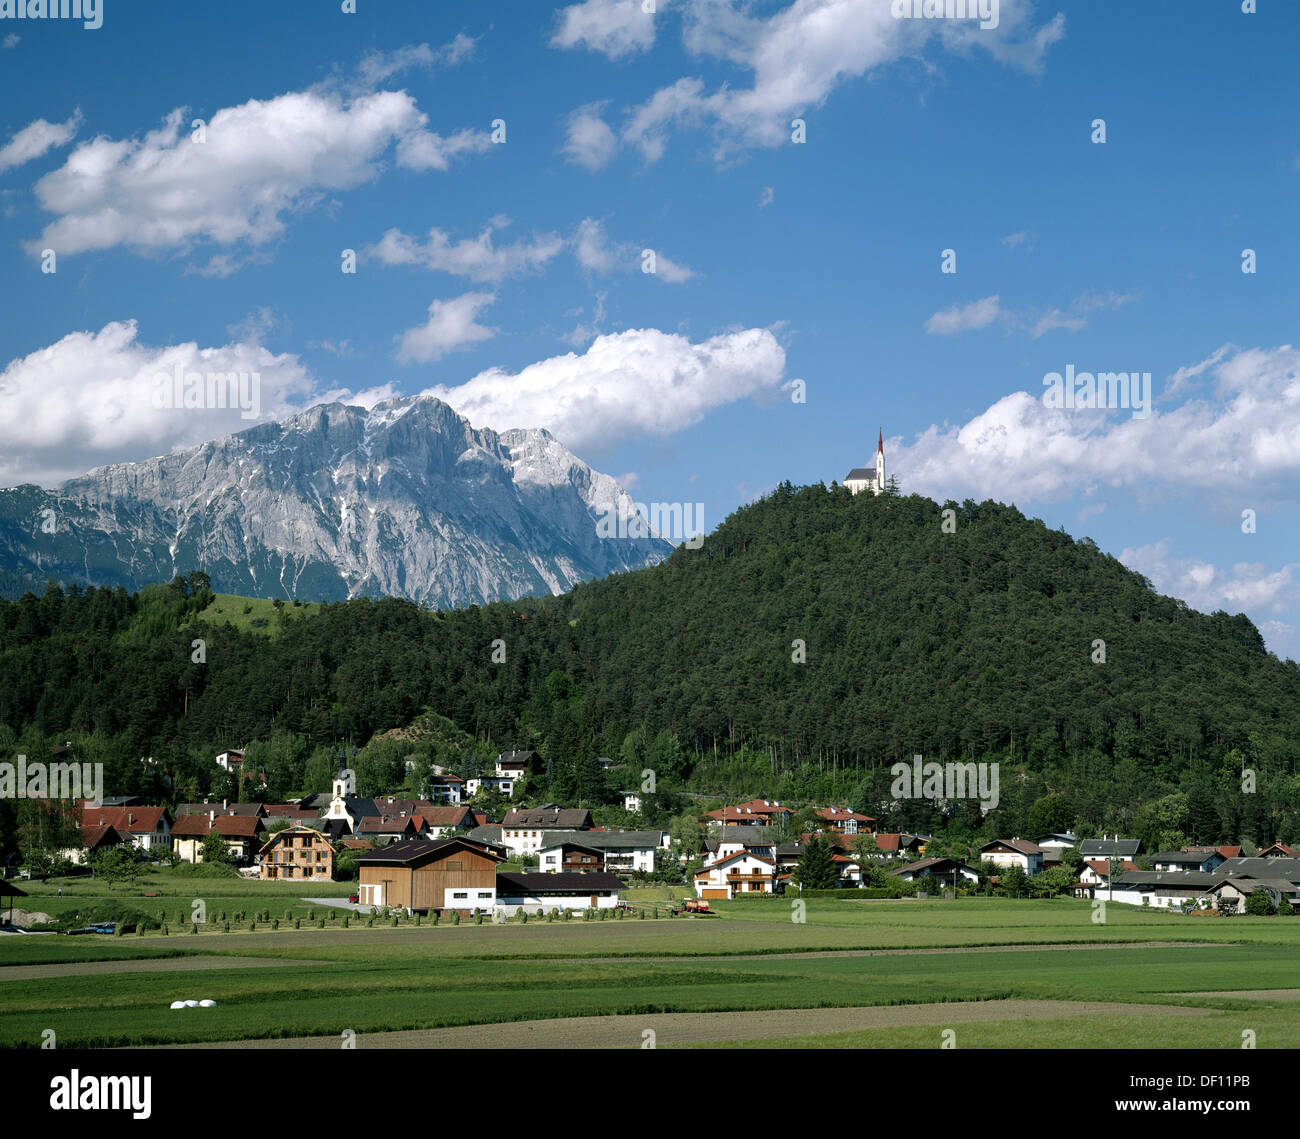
pixel 964 318
pixel 452 326
pixel 589 140
pixel 1243 434
pixel 37 138
pixel 627 384
pixel 476 258
pixel 259 161
pixel 89 399
pixel 1204 586
pixel 801 54
pixel 616 28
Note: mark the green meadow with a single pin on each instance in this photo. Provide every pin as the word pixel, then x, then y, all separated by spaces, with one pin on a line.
pixel 97 991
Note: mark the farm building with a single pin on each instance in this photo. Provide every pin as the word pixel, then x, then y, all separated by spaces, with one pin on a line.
pixel 557 892
pixel 431 874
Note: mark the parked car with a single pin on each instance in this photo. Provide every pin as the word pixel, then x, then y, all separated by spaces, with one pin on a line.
pixel 354 897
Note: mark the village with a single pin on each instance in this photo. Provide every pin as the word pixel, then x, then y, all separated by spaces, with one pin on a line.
pixel 443 855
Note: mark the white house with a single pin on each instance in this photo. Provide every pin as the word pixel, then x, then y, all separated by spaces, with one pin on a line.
pixel 503 784
pixel 742 873
pixel 231 761
pixel 526 832
pixel 632 802
pixel 624 851
pixel 1008 852
pixel 514 763
pixel 147 828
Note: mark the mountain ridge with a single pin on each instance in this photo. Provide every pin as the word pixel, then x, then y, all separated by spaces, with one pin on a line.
pixel 404 499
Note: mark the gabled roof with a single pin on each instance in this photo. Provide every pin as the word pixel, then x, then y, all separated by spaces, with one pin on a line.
pixel 415 851
pixel 1185 857
pixel 757 836
pixel 570 818
pixel 229 826
pixel 93 837
pixel 278 835
pixel 446 816
pixel 1101 867
pixel 221 808
pixel 384 825
pixel 1288 868
pixel 605 840
pixel 930 864
pixel 125 820
pixel 1020 845
pixel 732 858
pixel 290 811
pixel 892 842
pixel 843 815
pixel 1109 847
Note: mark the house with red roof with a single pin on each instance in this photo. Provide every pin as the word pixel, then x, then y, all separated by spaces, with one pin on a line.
pixel 147 828
pixel 843 820
pixel 243 835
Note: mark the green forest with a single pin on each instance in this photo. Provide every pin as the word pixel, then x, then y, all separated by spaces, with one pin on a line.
pixel 815 639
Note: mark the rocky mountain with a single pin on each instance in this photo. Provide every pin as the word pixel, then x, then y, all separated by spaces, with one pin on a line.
pixel 405 500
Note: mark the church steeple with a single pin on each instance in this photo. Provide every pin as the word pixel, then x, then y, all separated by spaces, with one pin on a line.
pixel 880 443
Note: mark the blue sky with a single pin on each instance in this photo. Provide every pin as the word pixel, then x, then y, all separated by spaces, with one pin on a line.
pixel 507 276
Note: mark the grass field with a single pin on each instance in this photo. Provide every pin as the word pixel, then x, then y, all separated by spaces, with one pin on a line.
pixel 252 614
pixel 1011 973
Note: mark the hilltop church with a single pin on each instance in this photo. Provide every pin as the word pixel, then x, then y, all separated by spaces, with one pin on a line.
pixel 864 478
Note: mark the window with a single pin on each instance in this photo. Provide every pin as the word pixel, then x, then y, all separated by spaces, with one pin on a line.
pixel 485 893
pixel 461 894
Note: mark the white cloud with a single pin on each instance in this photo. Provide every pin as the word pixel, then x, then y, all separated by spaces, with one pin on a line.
pixel 88 400
pixel 1244 436
pixel 452 325
pixel 377 66
pixel 766 198
pixel 589 141
pixel 260 160
pixel 627 384
pixel 596 253
pixel 1247 587
pixel 37 138
pixel 964 318
pixel 12 40
pixel 476 258
pixel 1022 238
pixel 1076 316
pixel 799 55
pixel 584 334
pixel 980 314
pixel 616 28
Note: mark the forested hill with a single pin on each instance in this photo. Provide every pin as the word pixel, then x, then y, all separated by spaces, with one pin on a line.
pixel 976 642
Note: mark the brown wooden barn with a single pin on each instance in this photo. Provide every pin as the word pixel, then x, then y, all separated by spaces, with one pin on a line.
pixel 431 874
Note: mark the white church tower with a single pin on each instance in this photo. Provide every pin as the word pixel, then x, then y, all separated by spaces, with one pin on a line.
pixel 864 478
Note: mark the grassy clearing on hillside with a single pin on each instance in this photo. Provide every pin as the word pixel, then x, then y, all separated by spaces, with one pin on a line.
pixel 253 614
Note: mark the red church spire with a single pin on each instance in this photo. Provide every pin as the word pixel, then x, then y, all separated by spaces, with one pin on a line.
pixel 880 444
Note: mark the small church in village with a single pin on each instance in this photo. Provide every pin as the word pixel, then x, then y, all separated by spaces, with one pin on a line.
pixel 867 478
